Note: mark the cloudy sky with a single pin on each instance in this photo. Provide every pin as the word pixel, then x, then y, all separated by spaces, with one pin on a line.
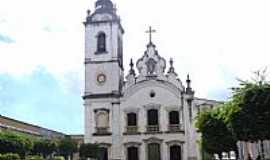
pixel 41 50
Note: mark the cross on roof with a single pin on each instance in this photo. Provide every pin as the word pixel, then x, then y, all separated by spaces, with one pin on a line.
pixel 150 31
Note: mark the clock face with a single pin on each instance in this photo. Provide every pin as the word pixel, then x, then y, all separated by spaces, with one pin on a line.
pixel 101 78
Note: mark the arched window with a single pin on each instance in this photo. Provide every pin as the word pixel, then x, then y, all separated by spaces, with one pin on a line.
pixel 152 116
pixel 132 153
pixel 131 119
pixel 101 42
pixel 175 152
pixel 174 117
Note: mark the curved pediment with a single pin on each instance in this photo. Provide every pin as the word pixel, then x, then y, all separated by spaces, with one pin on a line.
pixel 153 86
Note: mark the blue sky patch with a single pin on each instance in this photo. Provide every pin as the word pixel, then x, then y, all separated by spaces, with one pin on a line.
pixel 39 99
pixel 6 39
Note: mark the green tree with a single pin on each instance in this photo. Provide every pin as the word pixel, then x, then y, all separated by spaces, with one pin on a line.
pixel 13 143
pixel 245 117
pixel 44 147
pixel 216 136
pixel 252 98
pixel 89 150
pixel 67 147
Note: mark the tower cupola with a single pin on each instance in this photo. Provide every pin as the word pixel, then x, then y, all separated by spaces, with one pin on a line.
pixel 104 6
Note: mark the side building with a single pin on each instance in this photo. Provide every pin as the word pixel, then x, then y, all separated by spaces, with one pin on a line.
pixel 10 124
pixel 20 127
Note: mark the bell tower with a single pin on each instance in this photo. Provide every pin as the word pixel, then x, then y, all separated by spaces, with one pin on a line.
pixel 103 78
pixel 103 50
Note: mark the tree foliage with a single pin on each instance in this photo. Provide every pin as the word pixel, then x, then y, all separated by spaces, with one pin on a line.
pixel 216 136
pixel 252 121
pixel 67 147
pixel 44 147
pixel 13 143
pixel 245 117
pixel 25 145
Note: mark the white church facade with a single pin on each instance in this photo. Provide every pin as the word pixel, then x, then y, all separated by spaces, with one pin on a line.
pixel 143 116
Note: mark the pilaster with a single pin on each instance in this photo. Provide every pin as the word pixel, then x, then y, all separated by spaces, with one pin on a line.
pixel 116 132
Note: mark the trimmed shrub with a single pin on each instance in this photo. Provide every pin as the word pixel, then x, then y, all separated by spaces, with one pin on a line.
pixel 58 158
pixel 34 158
pixel 14 143
pixel 10 156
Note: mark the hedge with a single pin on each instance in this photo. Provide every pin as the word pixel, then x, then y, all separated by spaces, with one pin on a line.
pixel 58 158
pixel 34 158
pixel 9 156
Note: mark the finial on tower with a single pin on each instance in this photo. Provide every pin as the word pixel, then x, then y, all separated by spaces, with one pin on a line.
pixel 88 12
pixel 150 31
pixel 189 97
pixel 171 62
pixel 131 64
pixel 189 89
pixel 171 69
pixel 188 81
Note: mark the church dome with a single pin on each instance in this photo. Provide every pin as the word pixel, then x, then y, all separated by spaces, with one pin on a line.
pixel 104 11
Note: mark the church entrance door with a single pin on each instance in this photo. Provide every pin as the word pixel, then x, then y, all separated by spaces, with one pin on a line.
pixel 133 153
pixel 175 153
pixel 154 151
pixel 103 154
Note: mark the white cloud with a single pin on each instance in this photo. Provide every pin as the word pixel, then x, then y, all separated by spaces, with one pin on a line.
pixel 47 33
pixel 212 40
pixel 215 41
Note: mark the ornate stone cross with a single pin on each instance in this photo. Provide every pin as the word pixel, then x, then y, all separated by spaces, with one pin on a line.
pixel 150 31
